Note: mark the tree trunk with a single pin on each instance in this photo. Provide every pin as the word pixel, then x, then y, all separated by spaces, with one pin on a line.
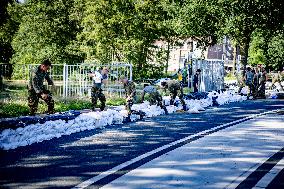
pixel 168 57
pixel 1 82
pixel 235 59
pixel 245 60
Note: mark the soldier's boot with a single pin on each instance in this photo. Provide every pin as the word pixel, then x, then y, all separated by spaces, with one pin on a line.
pixel 127 119
pixel 50 106
pixel 33 107
pixel 184 107
pixel 32 111
pixel 102 106
pixel 175 104
pixel 94 104
pixel 142 114
pixel 166 111
pixel 103 103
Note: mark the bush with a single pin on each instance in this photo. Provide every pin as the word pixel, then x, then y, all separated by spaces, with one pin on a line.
pixel 13 109
pixel 115 101
pixel 230 76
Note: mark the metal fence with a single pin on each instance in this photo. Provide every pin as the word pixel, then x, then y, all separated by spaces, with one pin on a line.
pixel 76 81
pixel 72 80
pixel 212 74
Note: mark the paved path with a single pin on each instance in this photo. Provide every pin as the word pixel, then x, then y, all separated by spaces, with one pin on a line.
pixel 70 160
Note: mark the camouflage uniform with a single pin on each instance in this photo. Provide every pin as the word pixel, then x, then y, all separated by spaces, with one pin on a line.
pixel 130 93
pixel 262 82
pixel 241 81
pixel 256 84
pixel 36 89
pixel 276 81
pixel 97 92
pixel 249 82
pixel 154 96
pixel 174 87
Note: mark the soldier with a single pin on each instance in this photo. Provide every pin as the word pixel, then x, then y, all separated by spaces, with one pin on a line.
pixel 262 82
pixel 196 80
pixel 256 82
pixel 130 93
pixel 99 78
pixel 241 81
pixel 276 81
pixel 155 96
pixel 249 75
pixel 36 89
pixel 175 89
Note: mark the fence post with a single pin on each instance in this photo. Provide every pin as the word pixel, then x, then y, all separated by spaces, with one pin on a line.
pixel 65 77
pixel 130 69
pixel 222 75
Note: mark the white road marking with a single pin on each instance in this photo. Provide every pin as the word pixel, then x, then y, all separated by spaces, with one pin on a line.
pixel 123 165
pixel 263 183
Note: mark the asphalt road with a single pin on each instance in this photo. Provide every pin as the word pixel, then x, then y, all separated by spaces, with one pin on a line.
pixel 70 160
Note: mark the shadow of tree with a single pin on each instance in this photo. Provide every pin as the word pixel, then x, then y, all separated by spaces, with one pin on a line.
pixel 69 160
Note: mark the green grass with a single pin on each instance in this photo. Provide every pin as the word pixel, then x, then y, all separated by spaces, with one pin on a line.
pixel 13 102
pixel 13 109
pixel 115 101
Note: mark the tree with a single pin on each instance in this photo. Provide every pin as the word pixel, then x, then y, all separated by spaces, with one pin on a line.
pixel 8 27
pixel 243 18
pixel 275 52
pixel 46 31
pixel 209 20
pixel 200 20
pixel 256 50
pixel 124 31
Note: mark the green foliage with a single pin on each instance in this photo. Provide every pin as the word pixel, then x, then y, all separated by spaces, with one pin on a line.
pixel 256 50
pixel 243 18
pixel 125 31
pixel 267 48
pixel 8 27
pixel 46 31
pixel 70 31
pixel 230 76
pixel 115 101
pixel 14 102
pixel 61 106
pixel 13 109
pixel 209 20
pixel 201 20
pixel 275 53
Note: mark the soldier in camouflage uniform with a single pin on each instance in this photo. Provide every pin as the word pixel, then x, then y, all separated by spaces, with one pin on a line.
pixel 262 82
pixel 175 90
pixel 154 96
pixel 36 89
pixel 241 81
pixel 256 82
pixel 276 81
pixel 99 78
pixel 130 93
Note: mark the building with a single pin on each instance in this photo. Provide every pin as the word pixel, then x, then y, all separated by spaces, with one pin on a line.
pixel 182 53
